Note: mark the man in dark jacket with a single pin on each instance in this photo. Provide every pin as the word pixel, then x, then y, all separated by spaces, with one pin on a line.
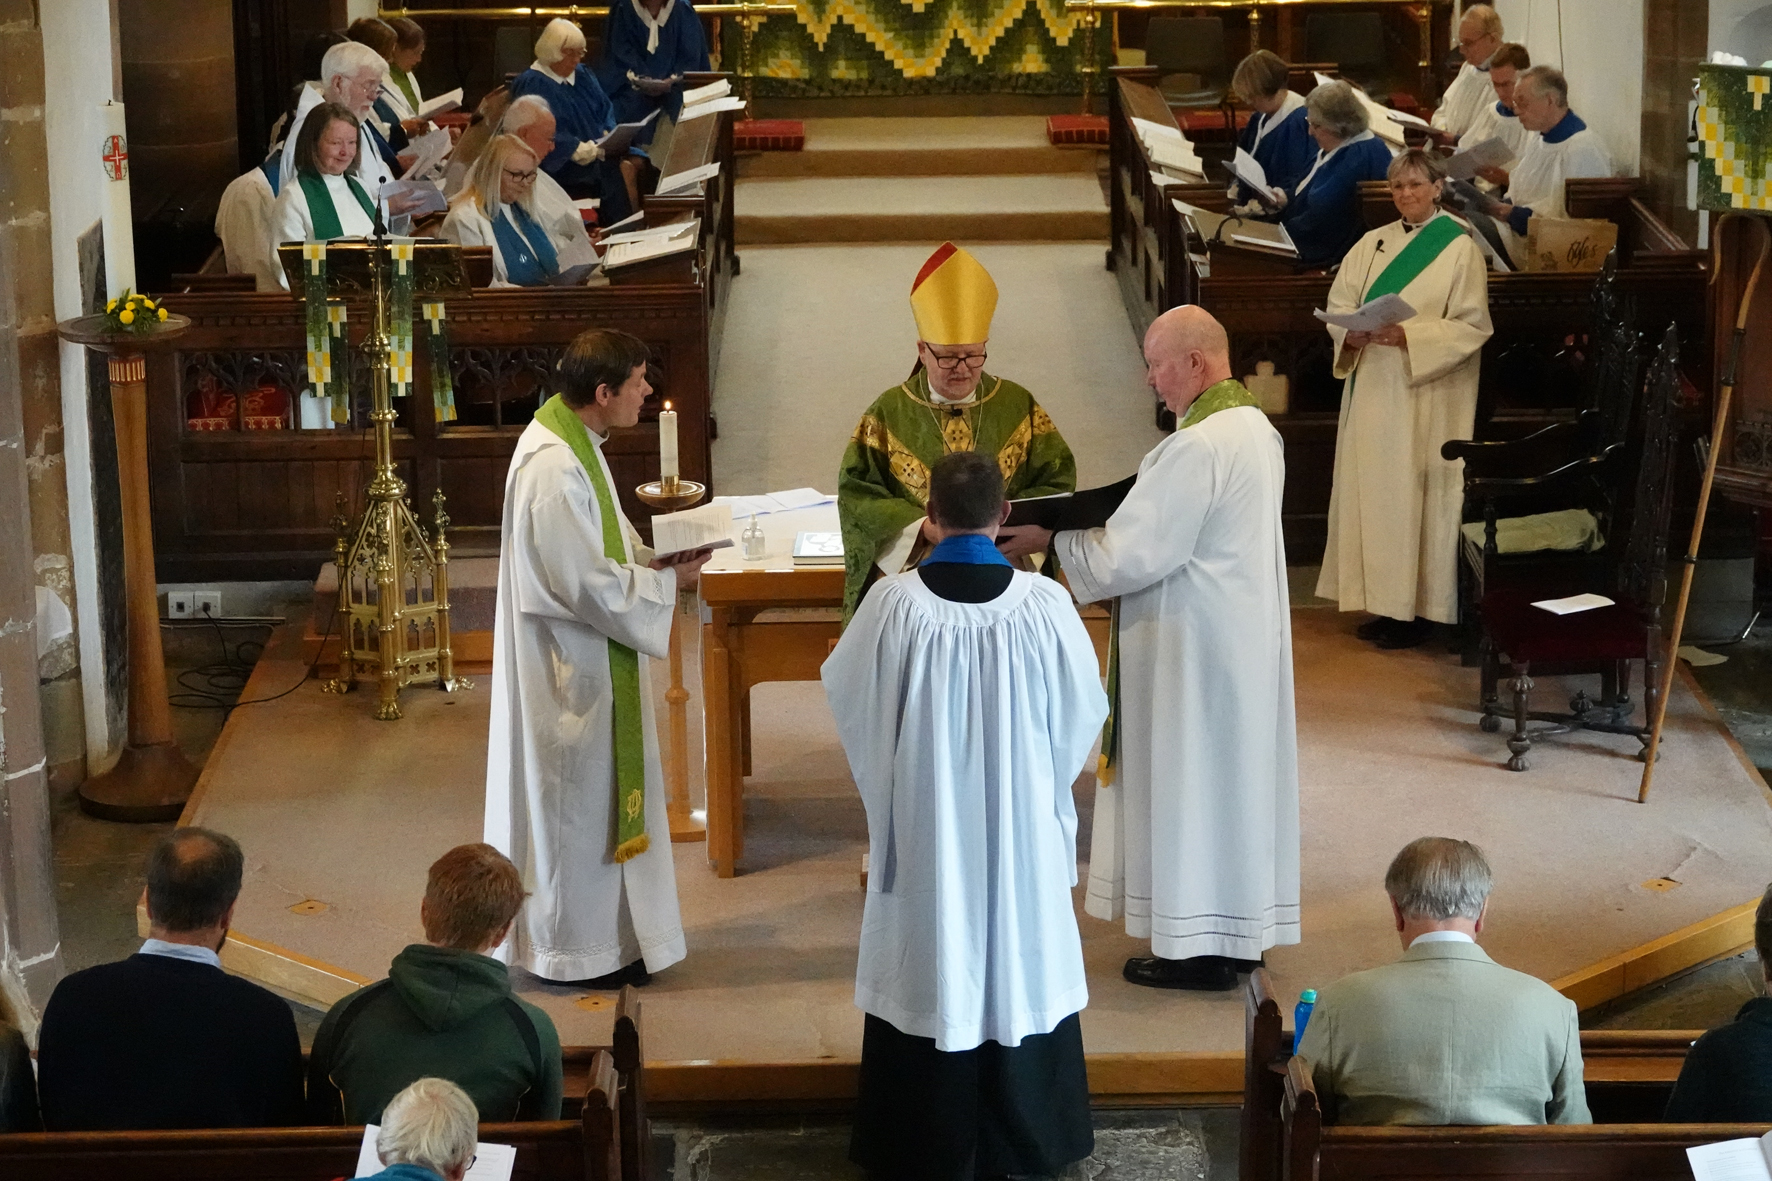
pixel 445 1010
pixel 1727 1075
pixel 165 1038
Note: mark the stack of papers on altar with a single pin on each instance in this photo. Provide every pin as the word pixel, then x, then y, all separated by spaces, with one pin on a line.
pixel 1573 604
pixel 441 105
pixel 492 1162
pixel 1746 1159
pixel 1491 153
pixel 642 249
pixel 707 527
pixel 679 182
pixel 1248 169
pixel 774 502
pixel 818 549
pixel 729 103
pixel 708 93
pixel 1370 316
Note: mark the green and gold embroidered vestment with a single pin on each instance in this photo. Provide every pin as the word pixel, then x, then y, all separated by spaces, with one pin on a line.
pixel 884 482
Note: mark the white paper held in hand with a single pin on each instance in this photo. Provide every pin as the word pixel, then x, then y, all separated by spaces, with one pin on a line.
pixel 1746 1159
pixel 1249 170
pixel 1370 316
pixel 1573 604
pixel 707 527
pixel 1491 153
pixel 441 105
pixel 492 1162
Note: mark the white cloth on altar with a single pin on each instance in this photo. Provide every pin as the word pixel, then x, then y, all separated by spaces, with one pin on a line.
pixel 1197 838
pixel 243 223
pixel 550 754
pixel 1395 505
pixel 965 725
pixel 1536 181
pixel 1463 99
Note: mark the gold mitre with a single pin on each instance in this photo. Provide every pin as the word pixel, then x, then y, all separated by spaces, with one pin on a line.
pixel 953 298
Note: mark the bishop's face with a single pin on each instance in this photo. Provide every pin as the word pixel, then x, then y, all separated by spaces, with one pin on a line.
pixel 954 369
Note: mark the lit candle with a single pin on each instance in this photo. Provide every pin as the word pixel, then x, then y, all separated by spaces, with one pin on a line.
pixel 667 444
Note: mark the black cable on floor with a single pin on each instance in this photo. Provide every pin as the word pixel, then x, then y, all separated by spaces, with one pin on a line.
pixel 216 685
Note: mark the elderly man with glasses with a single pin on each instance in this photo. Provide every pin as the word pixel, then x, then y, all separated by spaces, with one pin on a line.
pixel 949 403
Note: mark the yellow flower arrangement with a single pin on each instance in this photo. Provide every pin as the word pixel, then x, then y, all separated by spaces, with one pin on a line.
pixel 133 312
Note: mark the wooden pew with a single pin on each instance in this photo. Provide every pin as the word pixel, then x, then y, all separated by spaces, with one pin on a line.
pixel 1586 1152
pixel 1629 1074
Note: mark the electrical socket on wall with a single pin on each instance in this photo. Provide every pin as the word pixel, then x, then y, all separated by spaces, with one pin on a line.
pixel 180 604
pixel 206 604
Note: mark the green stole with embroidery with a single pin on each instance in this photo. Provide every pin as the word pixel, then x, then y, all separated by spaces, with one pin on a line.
pixel 624 663
pixel 321 210
pixel 1419 253
pixel 1226 395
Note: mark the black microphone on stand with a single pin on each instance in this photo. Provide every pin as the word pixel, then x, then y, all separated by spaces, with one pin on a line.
pixel 1370 263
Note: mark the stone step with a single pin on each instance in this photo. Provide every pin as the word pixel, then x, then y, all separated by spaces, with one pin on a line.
pixel 995 208
pixel 951 146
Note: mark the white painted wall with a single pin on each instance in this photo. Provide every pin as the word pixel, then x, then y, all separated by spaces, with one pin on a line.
pixel 357 9
pixel 81 68
pixel 1598 44
pixel 1742 27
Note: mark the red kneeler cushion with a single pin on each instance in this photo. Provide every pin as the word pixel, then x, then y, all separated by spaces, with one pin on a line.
pixel 1527 633
pixel 1064 131
pixel 1197 119
pixel 768 135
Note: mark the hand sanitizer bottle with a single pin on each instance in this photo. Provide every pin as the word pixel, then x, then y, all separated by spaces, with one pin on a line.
pixel 752 537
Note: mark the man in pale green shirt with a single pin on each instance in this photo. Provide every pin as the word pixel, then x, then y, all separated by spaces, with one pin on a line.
pixel 1444 1035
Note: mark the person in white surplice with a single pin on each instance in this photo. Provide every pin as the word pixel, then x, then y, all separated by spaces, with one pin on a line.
pixel 1196 805
pixel 1479 35
pixel 1565 148
pixel 967 696
pixel 1395 505
pixel 574 789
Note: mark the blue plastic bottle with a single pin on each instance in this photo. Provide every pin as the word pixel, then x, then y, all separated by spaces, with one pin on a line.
pixel 1301 1015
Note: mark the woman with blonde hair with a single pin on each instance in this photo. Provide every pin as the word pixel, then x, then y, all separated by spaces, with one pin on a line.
pixel 532 241
pixel 18 1085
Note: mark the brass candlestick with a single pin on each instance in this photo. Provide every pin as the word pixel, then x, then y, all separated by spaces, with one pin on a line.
pixel 672 494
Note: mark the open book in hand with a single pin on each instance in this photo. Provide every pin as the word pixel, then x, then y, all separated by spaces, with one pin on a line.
pixel 707 527
pixel 1248 169
pixel 1491 153
pixel 1370 316
pixel 1071 510
pixel 621 136
pixel 1746 1159
pixel 441 105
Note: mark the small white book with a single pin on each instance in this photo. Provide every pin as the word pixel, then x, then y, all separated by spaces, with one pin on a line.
pixel 730 102
pixel 1746 1159
pixel 818 549
pixel 1370 316
pixel 1491 153
pixel 492 1162
pixel 678 182
pixel 707 527
pixel 640 250
pixel 674 229
pixel 1249 170
pixel 712 90
pixel 1149 131
pixel 441 105
pixel 1572 605
pixel 1176 156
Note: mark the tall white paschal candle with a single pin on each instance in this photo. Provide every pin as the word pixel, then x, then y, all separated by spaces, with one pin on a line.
pixel 110 142
pixel 667 443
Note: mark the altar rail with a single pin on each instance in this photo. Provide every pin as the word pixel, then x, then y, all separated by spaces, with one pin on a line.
pixel 1531 365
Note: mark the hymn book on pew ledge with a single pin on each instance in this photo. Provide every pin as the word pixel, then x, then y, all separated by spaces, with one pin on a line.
pixel 492 1162
pixel 1370 316
pixel 1088 509
pixel 706 527
pixel 1746 1159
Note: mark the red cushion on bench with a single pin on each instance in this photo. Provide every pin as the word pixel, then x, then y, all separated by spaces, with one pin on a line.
pixel 768 135
pixel 1069 130
pixel 1528 633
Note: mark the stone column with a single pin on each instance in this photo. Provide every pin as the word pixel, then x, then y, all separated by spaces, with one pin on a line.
pixel 33 515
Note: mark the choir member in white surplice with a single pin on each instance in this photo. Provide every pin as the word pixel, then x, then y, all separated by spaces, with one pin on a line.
pixel 350 75
pixel 1563 149
pixel 1479 35
pixel 1498 119
pixel 1196 812
pixel 968 695
pixel 574 790
pixel 1395 505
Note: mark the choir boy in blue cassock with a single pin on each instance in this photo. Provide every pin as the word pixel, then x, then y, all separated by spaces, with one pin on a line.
pixel 1322 212
pixel 1278 135
pixel 583 115
pixel 648 45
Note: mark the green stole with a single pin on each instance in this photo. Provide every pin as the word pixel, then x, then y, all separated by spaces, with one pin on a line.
pixel 624 663
pixel 404 81
pixel 321 210
pixel 1424 245
pixel 1226 395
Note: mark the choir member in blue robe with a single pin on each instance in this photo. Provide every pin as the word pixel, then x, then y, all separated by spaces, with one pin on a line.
pixel 648 45
pixel 382 121
pixel 1322 212
pixel 583 115
pixel 1278 135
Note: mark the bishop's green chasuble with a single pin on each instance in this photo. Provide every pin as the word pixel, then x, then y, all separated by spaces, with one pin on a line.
pixel 884 482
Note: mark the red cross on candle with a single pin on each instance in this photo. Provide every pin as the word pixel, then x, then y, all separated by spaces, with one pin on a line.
pixel 116 157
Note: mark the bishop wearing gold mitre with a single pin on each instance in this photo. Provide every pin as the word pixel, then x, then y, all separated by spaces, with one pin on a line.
pixel 949 403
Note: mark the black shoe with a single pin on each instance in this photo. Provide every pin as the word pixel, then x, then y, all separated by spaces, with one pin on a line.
pixel 1201 973
pixel 1373 628
pixel 634 973
pixel 1401 635
pixel 1247 966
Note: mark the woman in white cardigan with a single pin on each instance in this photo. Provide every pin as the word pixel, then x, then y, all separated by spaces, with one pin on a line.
pixel 535 234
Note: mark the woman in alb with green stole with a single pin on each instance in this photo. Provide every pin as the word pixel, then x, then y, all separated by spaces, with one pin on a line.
pixel 1395 505
pixel 949 403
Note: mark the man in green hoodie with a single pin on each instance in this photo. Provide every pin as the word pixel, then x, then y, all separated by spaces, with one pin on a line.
pixel 445 1010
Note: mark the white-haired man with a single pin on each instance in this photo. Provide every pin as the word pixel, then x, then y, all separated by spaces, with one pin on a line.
pixel 1479 36
pixel 350 75
pixel 1563 149
pixel 530 120
pixel 1444 1035
pixel 428 1133
pixel 583 115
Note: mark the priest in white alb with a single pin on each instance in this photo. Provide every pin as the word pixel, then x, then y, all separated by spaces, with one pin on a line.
pixel 1408 388
pixel 1564 149
pixel 574 789
pixel 1196 808
pixel 967 695
pixel 1479 36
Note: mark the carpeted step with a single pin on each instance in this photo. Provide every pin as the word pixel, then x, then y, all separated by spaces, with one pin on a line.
pixel 1053 208
pixel 954 146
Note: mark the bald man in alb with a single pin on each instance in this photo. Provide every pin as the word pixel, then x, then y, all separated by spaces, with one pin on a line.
pixel 1196 805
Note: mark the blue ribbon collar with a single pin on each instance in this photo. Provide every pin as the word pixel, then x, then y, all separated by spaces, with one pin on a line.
pixel 971 549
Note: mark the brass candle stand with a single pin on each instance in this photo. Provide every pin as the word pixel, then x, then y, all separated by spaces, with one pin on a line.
pixel 670 495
